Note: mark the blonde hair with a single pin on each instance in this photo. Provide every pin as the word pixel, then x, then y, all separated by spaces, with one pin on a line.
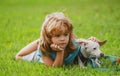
pixel 52 25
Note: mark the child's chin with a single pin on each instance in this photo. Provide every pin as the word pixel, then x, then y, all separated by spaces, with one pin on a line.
pixel 63 47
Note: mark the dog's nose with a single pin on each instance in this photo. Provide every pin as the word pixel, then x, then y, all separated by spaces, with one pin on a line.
pixel 101 55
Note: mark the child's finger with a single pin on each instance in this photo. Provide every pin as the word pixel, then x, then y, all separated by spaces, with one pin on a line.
pixel 60 48
pixel 56 46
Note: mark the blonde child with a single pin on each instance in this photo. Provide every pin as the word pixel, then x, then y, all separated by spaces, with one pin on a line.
pixel 56 45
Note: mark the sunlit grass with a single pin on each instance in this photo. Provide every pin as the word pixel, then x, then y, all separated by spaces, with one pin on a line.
pixel 21 20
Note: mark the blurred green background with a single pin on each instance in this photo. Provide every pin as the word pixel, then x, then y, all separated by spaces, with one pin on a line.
pixel 21 20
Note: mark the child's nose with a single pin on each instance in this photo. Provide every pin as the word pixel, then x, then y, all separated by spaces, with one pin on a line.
pixel 62 38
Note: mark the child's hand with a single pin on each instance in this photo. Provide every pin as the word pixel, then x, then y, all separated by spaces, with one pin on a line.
pixel 94 39
pixel 55 47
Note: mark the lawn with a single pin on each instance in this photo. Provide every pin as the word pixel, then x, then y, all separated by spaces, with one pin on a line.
pixel 20 24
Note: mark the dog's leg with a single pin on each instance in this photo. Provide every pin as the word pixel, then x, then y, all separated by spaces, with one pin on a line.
pixel 80 62
pixel 97 62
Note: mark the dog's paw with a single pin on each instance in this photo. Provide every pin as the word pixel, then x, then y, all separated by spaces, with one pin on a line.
pixel 97 63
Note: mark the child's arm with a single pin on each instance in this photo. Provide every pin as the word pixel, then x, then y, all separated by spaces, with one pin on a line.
pixel 57 62
pixel 59 59
pixel 27 49
pixel 59 55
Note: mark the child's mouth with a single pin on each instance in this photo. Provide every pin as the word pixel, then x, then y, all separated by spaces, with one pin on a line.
pixel 63 45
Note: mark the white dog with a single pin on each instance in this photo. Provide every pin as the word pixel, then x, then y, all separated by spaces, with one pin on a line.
pixel 89 49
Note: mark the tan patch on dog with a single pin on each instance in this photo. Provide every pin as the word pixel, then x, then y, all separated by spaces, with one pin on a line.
pixel 118 61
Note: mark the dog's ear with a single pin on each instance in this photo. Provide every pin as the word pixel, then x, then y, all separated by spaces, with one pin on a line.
pixel 102 42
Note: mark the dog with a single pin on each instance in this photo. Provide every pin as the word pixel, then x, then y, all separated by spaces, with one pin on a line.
pixel 90 49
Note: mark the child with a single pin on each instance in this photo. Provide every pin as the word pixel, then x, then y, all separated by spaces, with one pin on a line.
pixel 56 45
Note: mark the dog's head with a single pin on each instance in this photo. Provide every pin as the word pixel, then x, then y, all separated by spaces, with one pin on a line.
pixel 91 49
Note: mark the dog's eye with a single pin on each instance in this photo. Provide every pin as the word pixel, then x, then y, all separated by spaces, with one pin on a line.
pixel 85 48
pixel 94 48
pixel 85 44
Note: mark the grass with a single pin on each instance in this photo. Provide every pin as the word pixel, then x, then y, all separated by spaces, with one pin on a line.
pixel 21 20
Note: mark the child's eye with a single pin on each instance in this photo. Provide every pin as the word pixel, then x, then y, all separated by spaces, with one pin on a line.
pixel 65 34
pixel 57 35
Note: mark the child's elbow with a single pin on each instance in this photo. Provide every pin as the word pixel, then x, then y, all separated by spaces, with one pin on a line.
pixel 17 57
pixel 54 65
pixel 57 65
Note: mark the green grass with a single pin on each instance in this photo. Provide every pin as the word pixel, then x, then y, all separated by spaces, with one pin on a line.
pixel 21 20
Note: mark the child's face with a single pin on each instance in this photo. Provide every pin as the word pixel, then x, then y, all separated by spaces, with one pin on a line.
pixel 61 40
